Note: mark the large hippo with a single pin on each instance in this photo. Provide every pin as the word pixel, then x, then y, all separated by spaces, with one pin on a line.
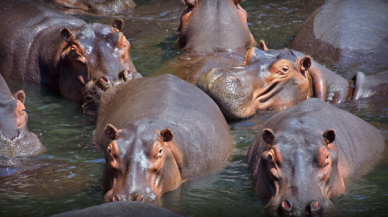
pixel 15 139
pixel 278 79
pixel 94 6
pixel 213 33
pixel 39 44
pixel 155 133
pixel 345 33
pixel 300 158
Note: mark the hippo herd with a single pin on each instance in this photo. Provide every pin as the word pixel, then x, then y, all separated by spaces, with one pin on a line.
pixel 157 132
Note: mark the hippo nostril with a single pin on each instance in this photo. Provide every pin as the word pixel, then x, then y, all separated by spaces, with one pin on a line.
pixel 287 205
pixel 232 78
pixel 140 198
pixel 115 198
pixel 315 207
pixel 124 75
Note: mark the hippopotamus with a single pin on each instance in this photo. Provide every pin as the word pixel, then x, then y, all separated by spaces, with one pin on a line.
pixel 122 208
pixel 279 79
pixel 42 45
pixel 94 6
pixel 301 156
pixel 15 139
pixel 212 33
pixel 345 34
pixel 154 135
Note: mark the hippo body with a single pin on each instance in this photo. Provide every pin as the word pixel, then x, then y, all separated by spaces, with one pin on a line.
pixel 213 33
pixel 94 6
pixel 279 79
pixel 15 140
pixel 347 34
pixel 300 158
pixel 42 45
pixel 151 145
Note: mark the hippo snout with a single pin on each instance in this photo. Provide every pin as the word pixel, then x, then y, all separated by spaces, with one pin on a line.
pixel 295 207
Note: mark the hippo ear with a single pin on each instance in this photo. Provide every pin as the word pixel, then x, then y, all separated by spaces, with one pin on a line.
pixel 111 132
pixel 20 95
pixel 118 24
pixel 269 136
pixel 191 2
pixel 67 34
pixel 306 63
pixel 166 135
pixel 262 46
pixel 329 136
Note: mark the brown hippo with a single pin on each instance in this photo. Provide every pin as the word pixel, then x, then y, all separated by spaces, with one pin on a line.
pixel 213 33
pixel 94 6
pixel 43 45
pixel 345 33
pixel 278 79
pixel 15 140
pixel 154 135
pixel 301 157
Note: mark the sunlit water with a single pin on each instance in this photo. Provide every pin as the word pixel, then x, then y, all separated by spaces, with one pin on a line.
pixel 68 175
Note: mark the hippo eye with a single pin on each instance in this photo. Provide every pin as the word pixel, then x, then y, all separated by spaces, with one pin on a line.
pixel 160 152
pixel 285 69
pixel 109 150
pixel 73 49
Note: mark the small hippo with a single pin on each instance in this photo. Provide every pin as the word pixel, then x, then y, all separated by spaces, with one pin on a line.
pixel 42 45
pixel 156 132
pixel 94 6
pixel 345 33
pixel 213 33
pixel 278 79
pixel 15 140
pixel 300 158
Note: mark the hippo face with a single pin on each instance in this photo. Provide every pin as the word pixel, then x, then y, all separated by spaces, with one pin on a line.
pixel 140 166
pixel 214 25
pixel 299 173
pixel 270 79
pixel 92 51
pixel 15 139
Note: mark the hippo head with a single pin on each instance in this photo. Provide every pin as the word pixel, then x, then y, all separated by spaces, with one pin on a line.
pixel 15 139
pixel 215 25
pixel 268 79
pixel 140 166
pixel 299 172
pixel 92 51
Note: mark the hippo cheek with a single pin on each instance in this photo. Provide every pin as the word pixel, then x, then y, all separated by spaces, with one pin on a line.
pixel 21 117
pixel 72 81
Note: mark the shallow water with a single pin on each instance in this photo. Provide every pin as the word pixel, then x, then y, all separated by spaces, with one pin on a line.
pixel 68 175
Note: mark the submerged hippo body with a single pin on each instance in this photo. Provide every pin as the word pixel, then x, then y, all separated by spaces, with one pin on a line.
pixel 213 33
pixel 301 157
pixel 347 33
pixel 151 145
pixel 279 79
pixel 43 45
pixel 95 6
pixel 15 140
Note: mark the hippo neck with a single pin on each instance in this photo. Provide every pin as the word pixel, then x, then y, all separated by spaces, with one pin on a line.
pixel 329 86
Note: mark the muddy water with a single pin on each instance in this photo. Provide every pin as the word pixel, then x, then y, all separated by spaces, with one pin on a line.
pixel 68 175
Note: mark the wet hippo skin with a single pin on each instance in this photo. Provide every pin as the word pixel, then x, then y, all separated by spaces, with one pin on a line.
pixel 15 139
pixel 42 45
pixel 347 33
pixel 156 132
pixel 95 6
pixel 279 79
pixel 213 33
pixel 301 156
pixel 122 208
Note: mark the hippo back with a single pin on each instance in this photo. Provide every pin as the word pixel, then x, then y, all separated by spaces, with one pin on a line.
pixel 357 142
pixel 166 101
pixel 30 39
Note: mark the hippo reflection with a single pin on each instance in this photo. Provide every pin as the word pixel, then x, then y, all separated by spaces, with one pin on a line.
pixel 43 45
pixel 301 156
pixel 278 79
pixel 95 6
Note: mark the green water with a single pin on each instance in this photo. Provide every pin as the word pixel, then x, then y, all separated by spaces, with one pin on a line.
pixel 68 175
